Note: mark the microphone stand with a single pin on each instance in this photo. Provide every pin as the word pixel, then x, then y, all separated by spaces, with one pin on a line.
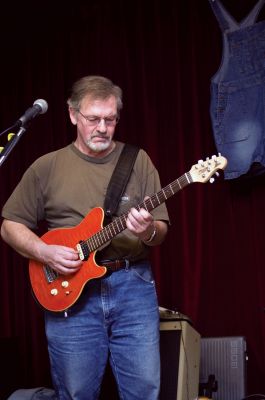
pixel 11 144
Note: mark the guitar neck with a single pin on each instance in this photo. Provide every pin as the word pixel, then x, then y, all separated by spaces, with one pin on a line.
pixel 119 224
pixel 201 172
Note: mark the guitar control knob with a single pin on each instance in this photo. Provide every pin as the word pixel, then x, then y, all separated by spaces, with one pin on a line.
pixel 65 284
pixel 54 292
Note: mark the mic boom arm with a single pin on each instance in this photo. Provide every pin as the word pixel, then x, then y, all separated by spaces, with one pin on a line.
pixel 39 107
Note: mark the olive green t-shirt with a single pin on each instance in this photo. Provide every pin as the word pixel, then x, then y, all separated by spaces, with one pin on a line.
pixel 63 186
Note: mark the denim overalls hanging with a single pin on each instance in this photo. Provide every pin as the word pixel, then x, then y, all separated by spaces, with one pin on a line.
pixel 237 106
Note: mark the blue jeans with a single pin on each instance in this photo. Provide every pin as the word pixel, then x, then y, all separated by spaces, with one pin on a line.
pixel 116 317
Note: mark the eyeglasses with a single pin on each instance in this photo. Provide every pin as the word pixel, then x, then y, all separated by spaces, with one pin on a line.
pixel 93 120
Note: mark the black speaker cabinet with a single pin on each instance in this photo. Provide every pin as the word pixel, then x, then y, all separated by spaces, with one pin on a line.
pixel 225 358
pixel 180 360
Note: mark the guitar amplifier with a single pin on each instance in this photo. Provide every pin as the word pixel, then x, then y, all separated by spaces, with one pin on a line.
pixel 180 359
pixel 225 358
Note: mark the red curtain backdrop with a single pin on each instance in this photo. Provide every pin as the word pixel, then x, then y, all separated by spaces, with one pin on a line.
pixel 163 54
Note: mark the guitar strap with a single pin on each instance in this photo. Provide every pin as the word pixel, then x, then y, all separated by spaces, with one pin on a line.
pixel 119 180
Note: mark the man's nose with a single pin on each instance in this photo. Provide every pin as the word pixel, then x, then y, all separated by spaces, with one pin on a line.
pixel 102 127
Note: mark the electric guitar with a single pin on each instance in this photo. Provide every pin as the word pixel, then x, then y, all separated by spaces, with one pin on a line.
pixel 57 292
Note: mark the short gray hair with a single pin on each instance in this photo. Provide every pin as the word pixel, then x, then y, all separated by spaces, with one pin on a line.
pixel 97 87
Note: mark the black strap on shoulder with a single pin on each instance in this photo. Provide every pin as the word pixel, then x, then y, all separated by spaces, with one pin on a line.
pixel 119 180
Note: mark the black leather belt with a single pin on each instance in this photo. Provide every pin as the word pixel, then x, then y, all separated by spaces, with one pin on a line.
pixel 114 265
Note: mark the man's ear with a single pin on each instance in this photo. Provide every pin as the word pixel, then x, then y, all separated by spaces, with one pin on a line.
pixel 72 114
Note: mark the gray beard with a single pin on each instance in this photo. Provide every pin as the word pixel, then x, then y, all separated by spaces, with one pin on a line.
pixel 98 147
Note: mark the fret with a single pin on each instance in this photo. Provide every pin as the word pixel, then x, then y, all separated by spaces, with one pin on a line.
pixel 122 220
pixel 178 182
pixel 115 228
pixel 118 223
pixel 111 231
pixel 104 234
pixel 93 243
pixel 165 193
pixel 171 190
pixel 97 240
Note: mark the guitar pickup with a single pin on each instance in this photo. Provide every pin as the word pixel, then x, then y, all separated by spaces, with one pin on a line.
pixel 83 250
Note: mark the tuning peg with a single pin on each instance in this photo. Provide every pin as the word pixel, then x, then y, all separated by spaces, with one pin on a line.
pixel 201 163
pixel 217 174
pixel 211 180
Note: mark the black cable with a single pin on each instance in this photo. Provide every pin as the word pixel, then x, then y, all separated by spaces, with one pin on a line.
pixel 8 129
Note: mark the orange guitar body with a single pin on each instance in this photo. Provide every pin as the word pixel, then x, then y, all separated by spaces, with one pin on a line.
pixel 64 290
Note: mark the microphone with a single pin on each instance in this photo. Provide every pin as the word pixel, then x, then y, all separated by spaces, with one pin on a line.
pixel 40 106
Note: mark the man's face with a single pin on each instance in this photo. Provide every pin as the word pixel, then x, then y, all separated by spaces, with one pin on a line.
pixel 96 121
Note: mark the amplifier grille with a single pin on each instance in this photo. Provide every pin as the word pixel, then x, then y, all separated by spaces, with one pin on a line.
pixel 224 357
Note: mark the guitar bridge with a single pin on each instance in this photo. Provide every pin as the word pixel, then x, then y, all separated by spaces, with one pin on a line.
pixel 83 250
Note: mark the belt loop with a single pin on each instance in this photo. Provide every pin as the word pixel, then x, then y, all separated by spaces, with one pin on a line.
pixel 127 262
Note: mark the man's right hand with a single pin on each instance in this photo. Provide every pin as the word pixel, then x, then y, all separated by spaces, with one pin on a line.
pixel 62 259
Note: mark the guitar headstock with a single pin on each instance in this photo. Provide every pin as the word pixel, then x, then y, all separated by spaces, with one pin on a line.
pixel 204 170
